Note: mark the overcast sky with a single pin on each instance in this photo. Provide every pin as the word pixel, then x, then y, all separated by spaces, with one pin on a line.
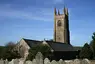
pixel 33 19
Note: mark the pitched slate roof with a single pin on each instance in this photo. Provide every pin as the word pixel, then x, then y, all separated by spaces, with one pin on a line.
pixel 57 46
pixel 77 47
pixel 32 43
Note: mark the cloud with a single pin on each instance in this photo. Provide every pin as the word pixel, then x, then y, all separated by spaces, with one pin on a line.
pixel 35 14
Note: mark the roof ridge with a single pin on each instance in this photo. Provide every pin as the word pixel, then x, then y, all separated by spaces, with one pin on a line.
pixel 57 42
pixel 30 39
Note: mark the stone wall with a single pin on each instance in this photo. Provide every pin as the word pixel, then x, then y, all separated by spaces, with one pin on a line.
pixel 39 60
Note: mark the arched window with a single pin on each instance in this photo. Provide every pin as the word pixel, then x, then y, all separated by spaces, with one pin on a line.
pixel 59 23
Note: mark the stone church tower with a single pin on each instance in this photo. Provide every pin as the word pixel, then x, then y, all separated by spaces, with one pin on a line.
pixel 61 26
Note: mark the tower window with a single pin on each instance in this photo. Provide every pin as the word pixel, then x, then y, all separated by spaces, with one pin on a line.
pixel 59 23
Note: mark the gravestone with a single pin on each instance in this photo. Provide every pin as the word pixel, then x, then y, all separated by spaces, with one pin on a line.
pixel 16 61
pixel 12 61
pixel 39 58
pixel 6 61
pixel 46 61
pixel 54 62
pixel 1 61
pixel 76 61
pixel 69 61
pixel 61 62
pixel 28 62
pixel 85 61
pixel 21 61
pixel 34 61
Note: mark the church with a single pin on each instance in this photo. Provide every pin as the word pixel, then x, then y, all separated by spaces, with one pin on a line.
pixel 60 46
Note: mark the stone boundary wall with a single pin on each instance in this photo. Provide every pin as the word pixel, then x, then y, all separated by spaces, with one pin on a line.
pixel 39 60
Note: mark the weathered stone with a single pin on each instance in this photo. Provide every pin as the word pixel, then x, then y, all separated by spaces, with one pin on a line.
pixel 21 61
pixel 61 32
pixel 60 61
pixel 69 61
pixel 34 61
pixel 11 62
pixel 85 61
pixel 1 61
pixel 16 61
pixel 54 62
pixel 39 58
pixel 28 62
pixel 76 61
pixel 6 61
pixel 46 61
